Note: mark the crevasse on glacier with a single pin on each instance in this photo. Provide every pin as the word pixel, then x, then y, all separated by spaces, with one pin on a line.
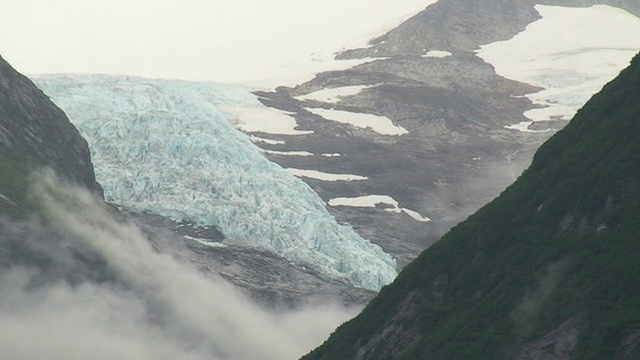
pixel 166 147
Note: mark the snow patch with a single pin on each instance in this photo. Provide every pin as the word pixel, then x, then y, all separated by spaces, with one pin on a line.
pixel 166 147
pixel 332 155
pixel 265 120
pixel 288 153
pixel 257 139
pixel 415 215
pixel 380 124
pixel 523 126
pixel 373 200
pixel 206 242
pixel 570 52
pixel 333 95
pixel 437 54
pixel 318 175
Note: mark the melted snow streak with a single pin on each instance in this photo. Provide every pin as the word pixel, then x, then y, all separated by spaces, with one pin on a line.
pixel 166 147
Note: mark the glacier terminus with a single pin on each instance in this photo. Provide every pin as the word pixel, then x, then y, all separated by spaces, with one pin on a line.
pixel 168 148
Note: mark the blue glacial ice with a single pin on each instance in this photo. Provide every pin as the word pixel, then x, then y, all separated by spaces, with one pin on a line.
pixel 166 147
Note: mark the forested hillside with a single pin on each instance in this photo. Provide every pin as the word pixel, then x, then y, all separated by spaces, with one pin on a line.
pixel 548 270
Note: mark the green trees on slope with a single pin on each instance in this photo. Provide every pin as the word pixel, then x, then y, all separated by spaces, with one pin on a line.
pixel 556 250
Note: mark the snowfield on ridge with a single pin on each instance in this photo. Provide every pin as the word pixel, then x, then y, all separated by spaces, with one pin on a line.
pixel 570 52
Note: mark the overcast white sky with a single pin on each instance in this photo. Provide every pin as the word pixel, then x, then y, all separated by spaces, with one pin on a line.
pixel 246 41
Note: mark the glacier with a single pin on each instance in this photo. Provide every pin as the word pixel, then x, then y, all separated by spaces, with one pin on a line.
pixel 168 147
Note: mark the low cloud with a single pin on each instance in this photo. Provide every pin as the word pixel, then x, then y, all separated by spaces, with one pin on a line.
pixel 527 311
pixel 141 304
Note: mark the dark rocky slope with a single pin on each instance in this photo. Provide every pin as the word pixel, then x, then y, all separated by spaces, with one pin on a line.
pixel 35 133
pixel 548 270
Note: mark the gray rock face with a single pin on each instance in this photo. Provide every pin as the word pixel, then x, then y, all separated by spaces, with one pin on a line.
pixel 35 132
pixel 556 345
pixel 457 155
pixel 462 25
pixel 453 25
pixel 270 280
